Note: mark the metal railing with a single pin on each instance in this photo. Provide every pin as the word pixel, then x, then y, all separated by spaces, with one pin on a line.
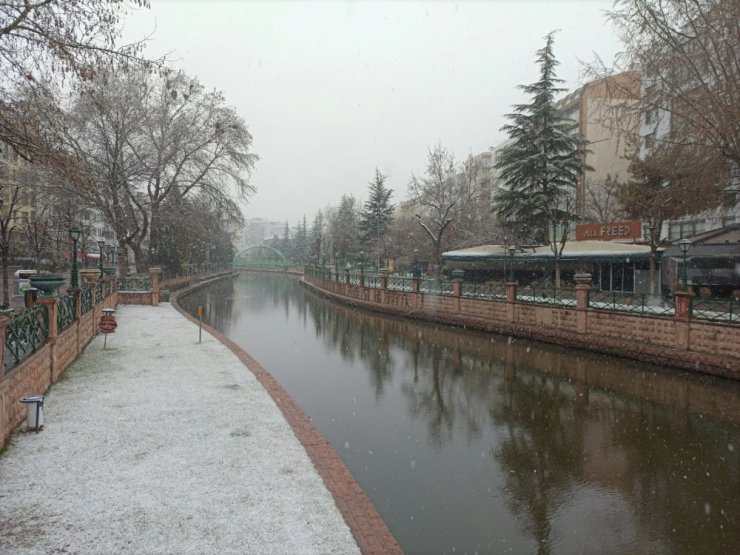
pixel 25 333
pixel 546 295
pixel 724 309
pixel 192 271
pixel 400 283
pixel 86 297
pixel 483 290
pixel 66 309
pixel 436 286
pixel 135 283
pixel 634 303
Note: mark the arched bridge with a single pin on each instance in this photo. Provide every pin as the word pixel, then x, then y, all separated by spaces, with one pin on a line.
pixel 261 256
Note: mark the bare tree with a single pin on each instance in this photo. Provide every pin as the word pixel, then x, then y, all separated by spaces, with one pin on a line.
pixel 190 143
pixel 43 40
pixel 442 195
pixel 602 200
pixel 689 104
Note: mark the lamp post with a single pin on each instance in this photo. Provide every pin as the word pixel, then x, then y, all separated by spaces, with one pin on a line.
pixel 512 251
pixel 415 270
pixel 685 245
pixel 74 234
pixel 336 266
pixel 362 263
pixel 101 244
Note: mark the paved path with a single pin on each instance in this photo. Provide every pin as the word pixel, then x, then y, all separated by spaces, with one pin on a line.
pixel 160 444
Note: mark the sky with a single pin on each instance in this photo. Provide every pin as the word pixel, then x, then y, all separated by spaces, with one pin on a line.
pixel 332 90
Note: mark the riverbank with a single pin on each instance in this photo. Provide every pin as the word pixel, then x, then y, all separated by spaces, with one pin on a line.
pixel 682 342
pixel 162 444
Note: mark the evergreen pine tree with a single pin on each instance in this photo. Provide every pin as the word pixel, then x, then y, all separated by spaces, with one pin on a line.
pixel 541 165
pixel 377 214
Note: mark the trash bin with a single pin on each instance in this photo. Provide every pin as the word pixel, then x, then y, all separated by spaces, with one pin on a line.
pixel 34 411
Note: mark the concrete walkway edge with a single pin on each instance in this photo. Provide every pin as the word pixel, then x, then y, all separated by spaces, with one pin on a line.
pixel 365 523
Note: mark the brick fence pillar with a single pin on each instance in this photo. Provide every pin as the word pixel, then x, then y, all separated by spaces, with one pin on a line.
pixel 416 290
pixel 51 306
pixel 51 338
pixel 346 277
pixel 155 273
pixel 457 287
pixel 510 299
pixel 583 288
pixel 384 279
pixel 457 292
pixel 682 318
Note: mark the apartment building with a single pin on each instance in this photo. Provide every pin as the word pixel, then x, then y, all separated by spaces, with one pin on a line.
pixel 606 116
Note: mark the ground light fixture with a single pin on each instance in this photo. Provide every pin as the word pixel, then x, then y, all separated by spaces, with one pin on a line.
pixel 685 245
pixel 74 234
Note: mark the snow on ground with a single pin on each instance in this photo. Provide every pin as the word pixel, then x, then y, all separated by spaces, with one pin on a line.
pixel 160 444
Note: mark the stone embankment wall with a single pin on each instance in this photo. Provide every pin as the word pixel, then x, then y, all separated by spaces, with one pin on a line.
pixel 679 341
pixel 35 374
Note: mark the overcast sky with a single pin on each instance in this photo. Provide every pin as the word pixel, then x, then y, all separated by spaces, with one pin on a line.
pixel 330 90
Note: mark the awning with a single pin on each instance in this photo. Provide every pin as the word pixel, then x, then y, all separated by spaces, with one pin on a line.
pixel 573 250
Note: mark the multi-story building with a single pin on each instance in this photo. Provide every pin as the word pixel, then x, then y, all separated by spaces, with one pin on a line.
pixel 259 230
pixel 605 114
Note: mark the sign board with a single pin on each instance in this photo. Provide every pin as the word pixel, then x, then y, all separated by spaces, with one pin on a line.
pixel 199 312
pixel 609 231
pixel 107 324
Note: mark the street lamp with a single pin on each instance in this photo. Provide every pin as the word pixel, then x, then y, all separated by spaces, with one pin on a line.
pixel 101 244
pixel 512 251
pixel 685 245
pixel 415 270
pixel 336 266
pixel 74 234
pixel 362 262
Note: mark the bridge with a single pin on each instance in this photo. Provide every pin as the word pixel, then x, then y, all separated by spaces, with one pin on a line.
pixel 261 256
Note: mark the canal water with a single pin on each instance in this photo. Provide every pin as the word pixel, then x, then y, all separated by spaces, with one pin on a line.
pixel 476 443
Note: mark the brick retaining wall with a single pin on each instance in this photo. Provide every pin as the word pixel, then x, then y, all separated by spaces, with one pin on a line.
pixel 38 372
pixel 711 348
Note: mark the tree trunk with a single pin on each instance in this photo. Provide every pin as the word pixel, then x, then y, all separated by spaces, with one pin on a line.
pixel 6 278
pixel 122 259
pixel 557 273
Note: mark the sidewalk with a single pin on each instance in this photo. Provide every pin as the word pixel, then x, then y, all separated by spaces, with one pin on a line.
pixel 161 444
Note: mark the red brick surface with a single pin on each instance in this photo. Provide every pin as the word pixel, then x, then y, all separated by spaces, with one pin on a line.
pixel 39 371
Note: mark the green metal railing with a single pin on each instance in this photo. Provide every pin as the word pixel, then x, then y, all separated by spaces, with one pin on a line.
pixel 400 283
pixel 546 295
pixel 635 303
pixel 484 290
pixel 436 286
pixel 25 333
pixel 135 283
pixel 86 296
pixel 724 309
pixel 98 292
pixel 66 309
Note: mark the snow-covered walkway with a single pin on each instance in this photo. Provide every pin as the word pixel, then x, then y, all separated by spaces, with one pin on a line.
pixel 161 444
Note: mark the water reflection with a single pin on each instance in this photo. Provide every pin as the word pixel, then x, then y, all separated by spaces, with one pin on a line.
pixel 479 443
